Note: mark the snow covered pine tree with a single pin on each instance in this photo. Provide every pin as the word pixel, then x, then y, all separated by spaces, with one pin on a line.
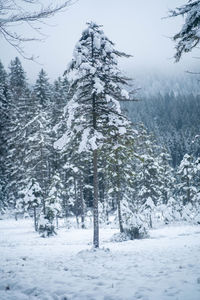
pixel 188 37
pixel 94 112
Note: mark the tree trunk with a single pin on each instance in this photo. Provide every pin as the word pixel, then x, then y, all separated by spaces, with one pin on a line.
pixel 35 218
pixel 150 220
pixel 119 213
pixel 95 204
pixel 42 179
pixel 95 167
pixel 119 197
pixel 77 221
pixel 82 204
pixel 188 189
pixel 56 222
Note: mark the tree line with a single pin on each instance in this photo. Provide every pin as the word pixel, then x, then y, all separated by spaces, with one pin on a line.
pixel 174 120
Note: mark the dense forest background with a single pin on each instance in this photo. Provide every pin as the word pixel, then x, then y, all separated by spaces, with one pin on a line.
pixel 169 107
pixel 158 166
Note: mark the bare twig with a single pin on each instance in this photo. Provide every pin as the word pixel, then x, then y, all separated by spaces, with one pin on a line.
pixel 16 13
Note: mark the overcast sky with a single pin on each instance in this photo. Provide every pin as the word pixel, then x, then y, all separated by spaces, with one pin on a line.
pixel 135 26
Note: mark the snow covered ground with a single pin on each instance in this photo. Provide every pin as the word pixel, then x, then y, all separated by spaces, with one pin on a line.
pixel 164 266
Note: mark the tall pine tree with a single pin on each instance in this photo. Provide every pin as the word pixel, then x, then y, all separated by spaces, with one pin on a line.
pixel 94 113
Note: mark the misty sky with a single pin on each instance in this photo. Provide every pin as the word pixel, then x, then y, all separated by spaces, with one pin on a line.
pixel 135 26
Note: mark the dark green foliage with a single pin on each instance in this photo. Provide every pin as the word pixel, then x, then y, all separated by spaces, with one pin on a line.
pixel 174 120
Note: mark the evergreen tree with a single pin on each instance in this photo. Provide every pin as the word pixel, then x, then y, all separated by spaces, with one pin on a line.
pixel 167 179
pixel 120 155
pixel 4 127
pixel 53 208
pixel 42 90
pixel 19 115
pixel 30 200
pixel 17 78
pixel 38 151
pixel 148 169
pixel 152 182
pixel 76 170
pixel 96 87
pixel 188 37
pixel 37 143
pixel 186 188
pixel 42 139
pixel 60 97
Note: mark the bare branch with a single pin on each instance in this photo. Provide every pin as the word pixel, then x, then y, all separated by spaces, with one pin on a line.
pixel 29 12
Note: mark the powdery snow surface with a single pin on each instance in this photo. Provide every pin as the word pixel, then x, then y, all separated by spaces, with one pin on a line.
pixel 164 266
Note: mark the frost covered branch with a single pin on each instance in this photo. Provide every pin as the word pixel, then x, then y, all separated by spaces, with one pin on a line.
pixel 189 35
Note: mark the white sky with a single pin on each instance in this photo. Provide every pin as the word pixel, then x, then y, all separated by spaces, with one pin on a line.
pixel 135 26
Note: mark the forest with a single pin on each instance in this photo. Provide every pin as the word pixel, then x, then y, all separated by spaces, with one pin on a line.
pixel 147 172
pixel 99 169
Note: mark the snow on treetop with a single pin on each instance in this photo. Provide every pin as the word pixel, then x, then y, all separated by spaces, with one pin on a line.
pixel 97 42
pixel 93 24
pixel 93 72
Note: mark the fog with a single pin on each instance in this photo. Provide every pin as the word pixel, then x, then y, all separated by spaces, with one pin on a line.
pixel 136 27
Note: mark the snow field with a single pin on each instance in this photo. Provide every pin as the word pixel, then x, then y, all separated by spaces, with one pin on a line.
pixel 64 267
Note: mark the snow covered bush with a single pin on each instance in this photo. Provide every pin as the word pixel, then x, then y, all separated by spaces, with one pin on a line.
pixel 148 209
pixel 136 227
pixel 134 223
pixel 45 227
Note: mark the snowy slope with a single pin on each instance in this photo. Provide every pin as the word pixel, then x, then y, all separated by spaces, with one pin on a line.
pixel 165 266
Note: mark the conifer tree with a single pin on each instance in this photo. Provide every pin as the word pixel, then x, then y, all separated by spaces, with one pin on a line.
pixel 42 90
pixel 53 207
pixel 4 128
pixel 96 88
pixel 148 169
pixel 60 96
pixel 187 187
pixel 17 77
pixel 188 37
pixel 30 199
pixel 120 178
pixel 42 95
pixel 152 181
pixel 167 179
pixel 37 143
pixel 19 115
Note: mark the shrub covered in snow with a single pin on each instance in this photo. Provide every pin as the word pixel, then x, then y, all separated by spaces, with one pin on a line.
pixel 135 225
pixel 45 227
